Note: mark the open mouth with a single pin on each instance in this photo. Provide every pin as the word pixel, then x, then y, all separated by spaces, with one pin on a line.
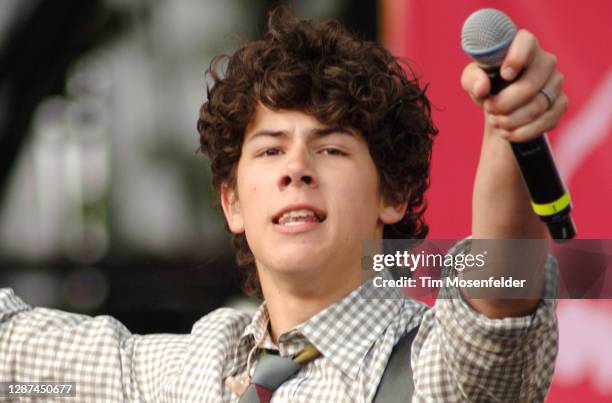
pixel 299 217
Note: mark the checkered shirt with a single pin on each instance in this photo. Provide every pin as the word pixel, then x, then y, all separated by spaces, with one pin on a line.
pixel 458 354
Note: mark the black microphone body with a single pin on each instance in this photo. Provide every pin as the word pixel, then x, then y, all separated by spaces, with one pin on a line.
pixel 549 198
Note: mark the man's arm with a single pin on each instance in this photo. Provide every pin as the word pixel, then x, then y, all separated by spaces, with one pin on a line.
pixel 461 355
pixel 497 350
pixel 501 204
pixel 99 354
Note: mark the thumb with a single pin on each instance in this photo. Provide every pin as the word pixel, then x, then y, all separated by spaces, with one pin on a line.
pixel 475 82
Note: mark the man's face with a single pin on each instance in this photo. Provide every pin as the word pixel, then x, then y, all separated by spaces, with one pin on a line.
pixel 306 195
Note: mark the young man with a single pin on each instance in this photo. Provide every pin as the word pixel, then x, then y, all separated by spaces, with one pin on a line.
pixel 317 142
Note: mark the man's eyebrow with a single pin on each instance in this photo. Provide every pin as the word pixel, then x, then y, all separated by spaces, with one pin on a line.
pixel 327 130
pixel 318 132
pixel 264 133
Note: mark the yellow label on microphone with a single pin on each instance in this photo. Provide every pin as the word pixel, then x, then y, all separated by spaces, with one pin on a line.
pixel 551 208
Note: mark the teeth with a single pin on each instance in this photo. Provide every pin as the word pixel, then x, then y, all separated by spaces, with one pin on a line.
pixel 296 217
pixel 298 213
pixel 292 223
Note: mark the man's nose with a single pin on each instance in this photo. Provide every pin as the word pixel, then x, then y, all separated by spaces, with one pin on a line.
pixel 298 171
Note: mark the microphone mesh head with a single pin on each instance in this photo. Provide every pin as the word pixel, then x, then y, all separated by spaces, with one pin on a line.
pixel 486 36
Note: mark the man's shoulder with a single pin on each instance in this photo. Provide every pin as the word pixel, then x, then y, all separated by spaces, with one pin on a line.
pixel 410 316
pixel 222 320
pixel 414 309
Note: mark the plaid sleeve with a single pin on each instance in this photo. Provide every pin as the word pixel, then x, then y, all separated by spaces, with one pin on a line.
pixel 95 352
pixel 461 355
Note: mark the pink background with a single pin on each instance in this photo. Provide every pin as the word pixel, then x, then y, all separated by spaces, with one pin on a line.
pixel 579 33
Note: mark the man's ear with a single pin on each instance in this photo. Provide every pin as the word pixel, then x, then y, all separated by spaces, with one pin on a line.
pixel 391 213
pixel 231 209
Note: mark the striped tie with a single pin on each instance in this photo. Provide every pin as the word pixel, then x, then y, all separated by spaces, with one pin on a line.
pixel 272 371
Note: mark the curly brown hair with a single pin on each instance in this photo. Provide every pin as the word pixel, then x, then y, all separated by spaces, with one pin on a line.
pixel 338 78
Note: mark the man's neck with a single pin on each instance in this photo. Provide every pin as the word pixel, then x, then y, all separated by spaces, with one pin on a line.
pixel 288 307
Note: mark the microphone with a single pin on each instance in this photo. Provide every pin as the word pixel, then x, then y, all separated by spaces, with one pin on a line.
pixel 486 37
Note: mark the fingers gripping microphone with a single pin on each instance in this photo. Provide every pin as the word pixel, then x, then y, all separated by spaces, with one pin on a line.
pixel 486 37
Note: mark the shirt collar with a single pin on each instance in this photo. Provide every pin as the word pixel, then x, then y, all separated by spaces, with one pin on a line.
pixel 256 330
pixel 343 332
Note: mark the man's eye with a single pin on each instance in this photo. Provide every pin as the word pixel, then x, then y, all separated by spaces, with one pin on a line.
pixel 268 152
pixel 333 151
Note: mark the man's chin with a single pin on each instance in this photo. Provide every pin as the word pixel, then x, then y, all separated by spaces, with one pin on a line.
pixel 298 263
pixel 292 267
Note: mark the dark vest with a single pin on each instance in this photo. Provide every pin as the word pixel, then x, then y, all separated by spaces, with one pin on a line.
pixel 396 384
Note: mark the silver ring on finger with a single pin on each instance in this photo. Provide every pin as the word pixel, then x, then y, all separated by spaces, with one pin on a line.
pixel 550 97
